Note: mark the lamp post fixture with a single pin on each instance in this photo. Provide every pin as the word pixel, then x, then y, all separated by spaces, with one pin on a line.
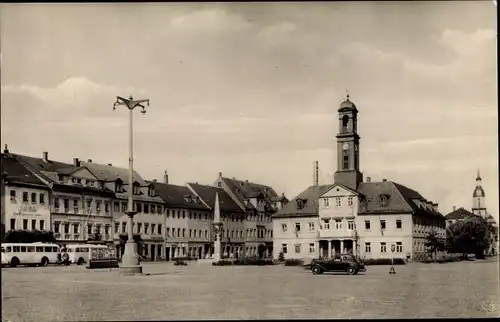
pixel 130 260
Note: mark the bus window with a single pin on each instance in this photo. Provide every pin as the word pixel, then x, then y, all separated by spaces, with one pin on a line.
pixel 47 249
pixel 54 249
pixel 3 250
pixel 77 250
pixel 85 250
pixel 16 249
pixel 23 249
pixel 39 249
pixel 31 249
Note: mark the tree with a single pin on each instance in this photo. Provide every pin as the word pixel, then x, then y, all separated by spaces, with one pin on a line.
pixel 471 236
pixel 281 256
pixel 26 236
pixel 137 239
pixel 434 244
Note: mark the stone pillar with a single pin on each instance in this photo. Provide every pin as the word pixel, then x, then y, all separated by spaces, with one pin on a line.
pixel 354 248
pixel 342 246
pixel 329 249
pixel 316 248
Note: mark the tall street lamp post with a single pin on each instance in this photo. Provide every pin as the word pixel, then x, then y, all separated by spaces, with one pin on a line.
pixel 130 260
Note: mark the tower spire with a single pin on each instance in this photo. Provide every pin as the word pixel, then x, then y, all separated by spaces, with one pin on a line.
pixel 478 178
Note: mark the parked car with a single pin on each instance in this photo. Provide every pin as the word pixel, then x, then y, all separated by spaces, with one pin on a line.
pixel 339 263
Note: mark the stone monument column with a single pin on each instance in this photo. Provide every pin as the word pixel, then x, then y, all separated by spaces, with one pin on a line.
pixel 217 229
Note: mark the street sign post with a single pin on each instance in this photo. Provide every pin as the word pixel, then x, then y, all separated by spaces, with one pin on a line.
pixel 393 250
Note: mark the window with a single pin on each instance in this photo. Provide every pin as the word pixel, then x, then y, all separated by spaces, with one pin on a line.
pixel 139 227
pixel 399 224
pixel 297 226
pixel 183 232
pixel 297 248
pixel 153 229
pixel 326 202
pixel 146 228
pixel 42 199
pixel 89 204
pixel 124 206
pixel 75 228
pixel 25 224
pixel 367 225
pixel 219 184
pixel 350 224
pixel 75 206
pixel 284 248
pixel 66 205
pixel 183 214
pixel 117 227
pixel 33 224
pixel 42 224
pixel 25 196
pixel 338 202
pixel 33 197
pixel 89 229
pixel 312 249
pixel 383 200
pixel 23 249
pixel 98 207
pixel 383 247
pixel 311 226
pixel 118 186
pixel 399 247
pixel 338 224
pixel 190 233
pixel 146 208
pixel 159 229
pixel 137 189
pixel 79 180
pixel 66 228
pixel 326 223
pixel 345 163
pixel 56 227
pixel 382 225
pixel 368 248
pixel 31 249
pixel 116 206
pixel 350 201
pixel 138 206
pixel 13 195
pixel 13 224
pixel 284 228
pixel 124 227
pixel 106 207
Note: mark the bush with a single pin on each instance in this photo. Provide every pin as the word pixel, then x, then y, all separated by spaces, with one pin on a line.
pixel 281 257
pixel 294 262
pixel 180 263
pixel 185 258
pixel 222 263
pixel 254 261
pixel 384 261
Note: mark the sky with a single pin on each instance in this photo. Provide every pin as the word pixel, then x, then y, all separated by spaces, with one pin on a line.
pixel 252 90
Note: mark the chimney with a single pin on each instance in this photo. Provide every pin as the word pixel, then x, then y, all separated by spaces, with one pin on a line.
pixel 283 194
pixel 76 162
pixel 246 181
pixel 165 177
pixel 454 208
pixel 89 161
pixel 315 173
pixel 46 156
pixel 368 179
pixel 110 164
pixel 220 174
pixel 435 205
pixel 384 180
pixel 6 150
pixel 154 180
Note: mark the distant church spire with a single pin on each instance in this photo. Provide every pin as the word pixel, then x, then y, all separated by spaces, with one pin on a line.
pixel 478 178
pixel 478 198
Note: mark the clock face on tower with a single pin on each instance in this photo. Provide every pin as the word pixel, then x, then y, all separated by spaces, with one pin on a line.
pixel 345 146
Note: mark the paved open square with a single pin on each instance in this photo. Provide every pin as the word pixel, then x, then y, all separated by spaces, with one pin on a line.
pixel 201 291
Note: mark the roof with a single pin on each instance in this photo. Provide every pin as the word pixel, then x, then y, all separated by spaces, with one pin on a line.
pixel 309 198
pixel 244 190
pixel 461 213
pixel 347 105
pixel 14 171
pixel 175 196
pixel 108 173
pixel 40 167
pixel 478 192
pixel 207 193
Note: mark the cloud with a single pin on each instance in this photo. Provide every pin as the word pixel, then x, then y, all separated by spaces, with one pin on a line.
pixel 211 20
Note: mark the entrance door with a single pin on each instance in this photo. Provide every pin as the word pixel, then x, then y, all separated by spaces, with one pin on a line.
pixel 261 250
pixel 153 252
pixel 167 253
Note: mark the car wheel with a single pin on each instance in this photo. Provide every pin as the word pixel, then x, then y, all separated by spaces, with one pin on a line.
pixel 80 261
pixel 45 261
pixel 351 271
pixel 316 270
pixel 14 262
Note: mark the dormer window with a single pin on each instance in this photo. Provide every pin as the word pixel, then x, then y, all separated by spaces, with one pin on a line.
pixel 151 191
pixel 384 200
pixel 300 204
pixel 118 186
pixel 73 180
pixel 137 189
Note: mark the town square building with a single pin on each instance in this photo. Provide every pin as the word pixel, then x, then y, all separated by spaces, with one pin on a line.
pixel 369 219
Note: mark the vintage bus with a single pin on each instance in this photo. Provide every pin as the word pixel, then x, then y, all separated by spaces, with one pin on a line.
pixel 79 254
pixel 42 254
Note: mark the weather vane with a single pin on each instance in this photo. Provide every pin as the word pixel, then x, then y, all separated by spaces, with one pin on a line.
pixel 347 93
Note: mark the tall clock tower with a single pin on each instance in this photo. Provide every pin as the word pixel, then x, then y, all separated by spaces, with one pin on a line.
pixel 348 146
pixel 479 198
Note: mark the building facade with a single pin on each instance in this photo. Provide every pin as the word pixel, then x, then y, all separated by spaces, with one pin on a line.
pixel 26 198
pixel 369 219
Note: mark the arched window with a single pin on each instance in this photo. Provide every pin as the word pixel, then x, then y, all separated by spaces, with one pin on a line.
pixel 345 123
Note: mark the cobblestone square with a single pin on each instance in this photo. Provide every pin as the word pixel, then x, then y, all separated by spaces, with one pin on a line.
pixel 201 291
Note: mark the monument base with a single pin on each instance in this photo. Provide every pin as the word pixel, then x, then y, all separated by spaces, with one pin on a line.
pixel 130 270
pixel 130 262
